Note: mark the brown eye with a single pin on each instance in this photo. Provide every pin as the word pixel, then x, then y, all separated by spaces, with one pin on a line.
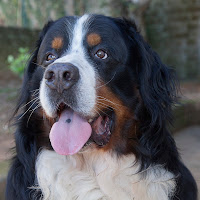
pixel 101 54
pixel 50 57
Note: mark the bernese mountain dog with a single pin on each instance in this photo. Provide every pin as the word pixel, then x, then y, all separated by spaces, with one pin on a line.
pixel 93 118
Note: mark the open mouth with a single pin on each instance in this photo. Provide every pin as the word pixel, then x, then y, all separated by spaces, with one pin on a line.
pixel 101 128
pixel 72 132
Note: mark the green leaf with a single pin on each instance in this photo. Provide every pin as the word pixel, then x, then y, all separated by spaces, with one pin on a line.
pixel 18 64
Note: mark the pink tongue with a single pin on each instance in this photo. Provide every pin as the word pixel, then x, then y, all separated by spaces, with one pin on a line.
pixel 70 133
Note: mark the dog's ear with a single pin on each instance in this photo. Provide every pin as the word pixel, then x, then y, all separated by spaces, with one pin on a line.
pixel 157 82
pixel 158 91
pixel 29 70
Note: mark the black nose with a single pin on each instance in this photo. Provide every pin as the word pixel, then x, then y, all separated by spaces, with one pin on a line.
pixel 61 76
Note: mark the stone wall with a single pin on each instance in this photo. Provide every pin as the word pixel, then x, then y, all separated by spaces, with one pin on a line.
pixel 13 38
pixel 173 29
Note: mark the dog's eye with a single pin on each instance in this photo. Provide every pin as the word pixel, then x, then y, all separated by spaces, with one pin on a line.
pixel 101 54
pixel 50 57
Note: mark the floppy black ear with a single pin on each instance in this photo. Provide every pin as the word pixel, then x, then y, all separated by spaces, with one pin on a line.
pixel 31 66
pixel 157 82
pixel 157 87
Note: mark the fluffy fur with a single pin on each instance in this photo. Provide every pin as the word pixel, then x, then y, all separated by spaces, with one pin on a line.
pixel 98 175
pixel 130 86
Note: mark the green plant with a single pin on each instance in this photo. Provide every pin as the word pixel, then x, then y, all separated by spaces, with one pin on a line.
pixel 17 65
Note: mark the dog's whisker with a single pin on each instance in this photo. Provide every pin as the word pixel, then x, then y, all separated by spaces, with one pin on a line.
pixel 97 112
pixel 103 112
pixel 35 90
pixel 106 106
pixel 35 93
pixel 30 102
pixel 110 109
pixel 38 64
pixel 106 82
pixel 28 109
pixel 103 98
pixel 57 106
pixel 32 113
pixel 105 103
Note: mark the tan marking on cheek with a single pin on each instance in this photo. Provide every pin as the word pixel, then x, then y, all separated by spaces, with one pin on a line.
pixel 93 39
pixel 106 98
pixel 57 43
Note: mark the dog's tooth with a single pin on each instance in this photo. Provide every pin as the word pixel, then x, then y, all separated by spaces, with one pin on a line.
pixel 90 120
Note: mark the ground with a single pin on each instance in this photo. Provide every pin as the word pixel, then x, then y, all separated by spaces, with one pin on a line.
pixel 188 140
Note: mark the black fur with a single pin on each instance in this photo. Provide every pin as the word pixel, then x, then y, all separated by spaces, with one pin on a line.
pixel 156 84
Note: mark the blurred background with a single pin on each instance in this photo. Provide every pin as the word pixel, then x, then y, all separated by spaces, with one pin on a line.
pixel 172 27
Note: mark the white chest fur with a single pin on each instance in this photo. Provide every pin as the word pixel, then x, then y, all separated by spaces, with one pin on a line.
pixel 96 175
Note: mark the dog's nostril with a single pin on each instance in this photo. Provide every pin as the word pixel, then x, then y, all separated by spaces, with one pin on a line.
pixel 61 77
pixel 50 76
pixel 67 76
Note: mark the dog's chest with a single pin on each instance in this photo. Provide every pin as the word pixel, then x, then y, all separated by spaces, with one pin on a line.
pixel 99 176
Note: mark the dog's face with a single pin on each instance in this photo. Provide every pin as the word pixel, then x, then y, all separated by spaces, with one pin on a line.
pixel 97 78
pixel 80 56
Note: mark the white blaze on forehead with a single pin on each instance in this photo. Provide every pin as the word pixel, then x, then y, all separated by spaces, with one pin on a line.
pixel 76 54
pixel 76 45
pixel 79 33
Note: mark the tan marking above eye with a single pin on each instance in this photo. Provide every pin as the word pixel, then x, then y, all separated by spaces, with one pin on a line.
pixel 57 43
pixel 93 39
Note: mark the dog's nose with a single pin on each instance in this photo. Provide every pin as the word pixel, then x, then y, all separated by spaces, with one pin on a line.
pixel 61 76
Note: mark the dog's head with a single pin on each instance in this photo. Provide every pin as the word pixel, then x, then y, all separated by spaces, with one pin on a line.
pixel 99 84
